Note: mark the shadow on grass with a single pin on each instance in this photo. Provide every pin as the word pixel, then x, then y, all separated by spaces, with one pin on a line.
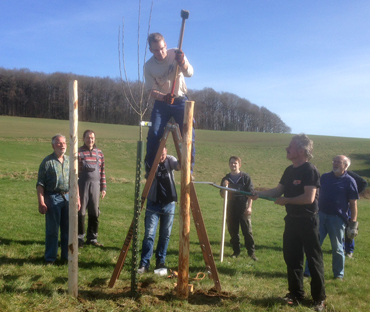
pixel 215 246
pixel 37 287
pixel 5 241
pixel 363 173
pixel 21 261
pixel 41 261
pixel 366 159
pixel 232 272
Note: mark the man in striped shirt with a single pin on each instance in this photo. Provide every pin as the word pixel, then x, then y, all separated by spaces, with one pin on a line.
pixel 91 182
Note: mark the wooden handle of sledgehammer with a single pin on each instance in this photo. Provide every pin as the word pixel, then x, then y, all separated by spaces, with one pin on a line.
pixel 180 46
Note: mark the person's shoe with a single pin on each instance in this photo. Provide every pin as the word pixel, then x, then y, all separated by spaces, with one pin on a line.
pixel 160 266
pixel 306 275
pixel 63 261
pixel 49 262
pixel 142 270
pixel 292 300
pixel 338 278
pixel 235 255
pixel 80 243
pixel 253 257
pixel 349 255
pixel 319 305
pixel 96 244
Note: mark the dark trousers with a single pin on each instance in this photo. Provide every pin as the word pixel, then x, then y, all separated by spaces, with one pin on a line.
pixel 89 186
pixel 301 236
pixel 235 218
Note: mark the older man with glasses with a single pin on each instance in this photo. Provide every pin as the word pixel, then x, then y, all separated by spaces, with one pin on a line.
pixel 338 197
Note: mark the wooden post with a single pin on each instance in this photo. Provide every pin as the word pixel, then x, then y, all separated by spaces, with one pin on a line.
pixel 223 228
pixel 183 276
pixel 73 191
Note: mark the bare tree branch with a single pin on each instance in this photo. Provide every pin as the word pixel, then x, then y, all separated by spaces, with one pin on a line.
pixel 139 107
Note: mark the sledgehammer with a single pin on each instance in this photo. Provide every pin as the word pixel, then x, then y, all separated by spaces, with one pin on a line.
pixel 184 16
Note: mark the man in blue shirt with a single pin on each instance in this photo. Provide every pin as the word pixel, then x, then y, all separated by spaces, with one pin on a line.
pixel 338 197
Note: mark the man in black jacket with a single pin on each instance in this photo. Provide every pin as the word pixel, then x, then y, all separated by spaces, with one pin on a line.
pixel 160 208
pixel 349 243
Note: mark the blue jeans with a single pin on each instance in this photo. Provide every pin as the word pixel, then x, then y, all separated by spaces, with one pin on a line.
pixel 334 226
pixel 160 116
pixel 154 213
pixel 56 217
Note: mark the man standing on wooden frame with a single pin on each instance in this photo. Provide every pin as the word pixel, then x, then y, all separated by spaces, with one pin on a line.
pixel 160 72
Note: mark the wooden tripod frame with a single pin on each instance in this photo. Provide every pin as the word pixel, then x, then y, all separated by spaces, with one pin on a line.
pixel 194 205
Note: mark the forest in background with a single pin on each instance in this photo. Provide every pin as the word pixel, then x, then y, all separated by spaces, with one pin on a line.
pixel 33 94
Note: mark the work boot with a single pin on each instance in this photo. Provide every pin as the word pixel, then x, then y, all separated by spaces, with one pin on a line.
pixel 160 266
pixel 81 225
pixel 94 243
pixel 142 270
pixel 92 229
pixel 319 305
pixel 235 254
pixel 80 243
pixel 292 300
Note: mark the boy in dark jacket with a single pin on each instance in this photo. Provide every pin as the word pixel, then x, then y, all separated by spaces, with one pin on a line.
pixel 239 207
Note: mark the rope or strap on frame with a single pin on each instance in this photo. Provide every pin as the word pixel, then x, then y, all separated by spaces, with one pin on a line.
pixel 235 190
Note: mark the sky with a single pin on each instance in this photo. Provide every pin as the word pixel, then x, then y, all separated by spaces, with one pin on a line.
pixel 306 61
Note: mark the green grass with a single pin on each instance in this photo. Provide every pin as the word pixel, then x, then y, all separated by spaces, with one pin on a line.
pixel 27 285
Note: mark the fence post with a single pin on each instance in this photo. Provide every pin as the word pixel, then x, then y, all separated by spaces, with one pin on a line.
pixel 73 190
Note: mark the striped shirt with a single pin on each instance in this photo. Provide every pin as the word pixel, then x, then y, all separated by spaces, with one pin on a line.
pixel 53 175
pixel 90 158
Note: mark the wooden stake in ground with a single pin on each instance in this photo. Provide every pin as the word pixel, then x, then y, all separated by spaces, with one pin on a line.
pixel 73 190
pixel 183 277
pixel 223 227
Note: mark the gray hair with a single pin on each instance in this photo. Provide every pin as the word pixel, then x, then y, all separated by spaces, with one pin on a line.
pixel 304 142
pixel 346 160
pixel 58 135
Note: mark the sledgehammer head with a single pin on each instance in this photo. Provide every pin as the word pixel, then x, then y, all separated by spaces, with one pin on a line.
pixel 184 14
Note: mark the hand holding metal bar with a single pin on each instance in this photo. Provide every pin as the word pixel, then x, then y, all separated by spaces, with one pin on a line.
pixel 235 190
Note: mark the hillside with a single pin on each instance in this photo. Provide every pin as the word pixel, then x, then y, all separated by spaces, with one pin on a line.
pixel 263 154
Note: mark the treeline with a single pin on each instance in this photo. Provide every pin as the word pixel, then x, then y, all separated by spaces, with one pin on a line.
pixel 33 94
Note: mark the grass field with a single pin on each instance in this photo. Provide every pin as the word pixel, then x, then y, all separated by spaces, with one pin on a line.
pixel 27 285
